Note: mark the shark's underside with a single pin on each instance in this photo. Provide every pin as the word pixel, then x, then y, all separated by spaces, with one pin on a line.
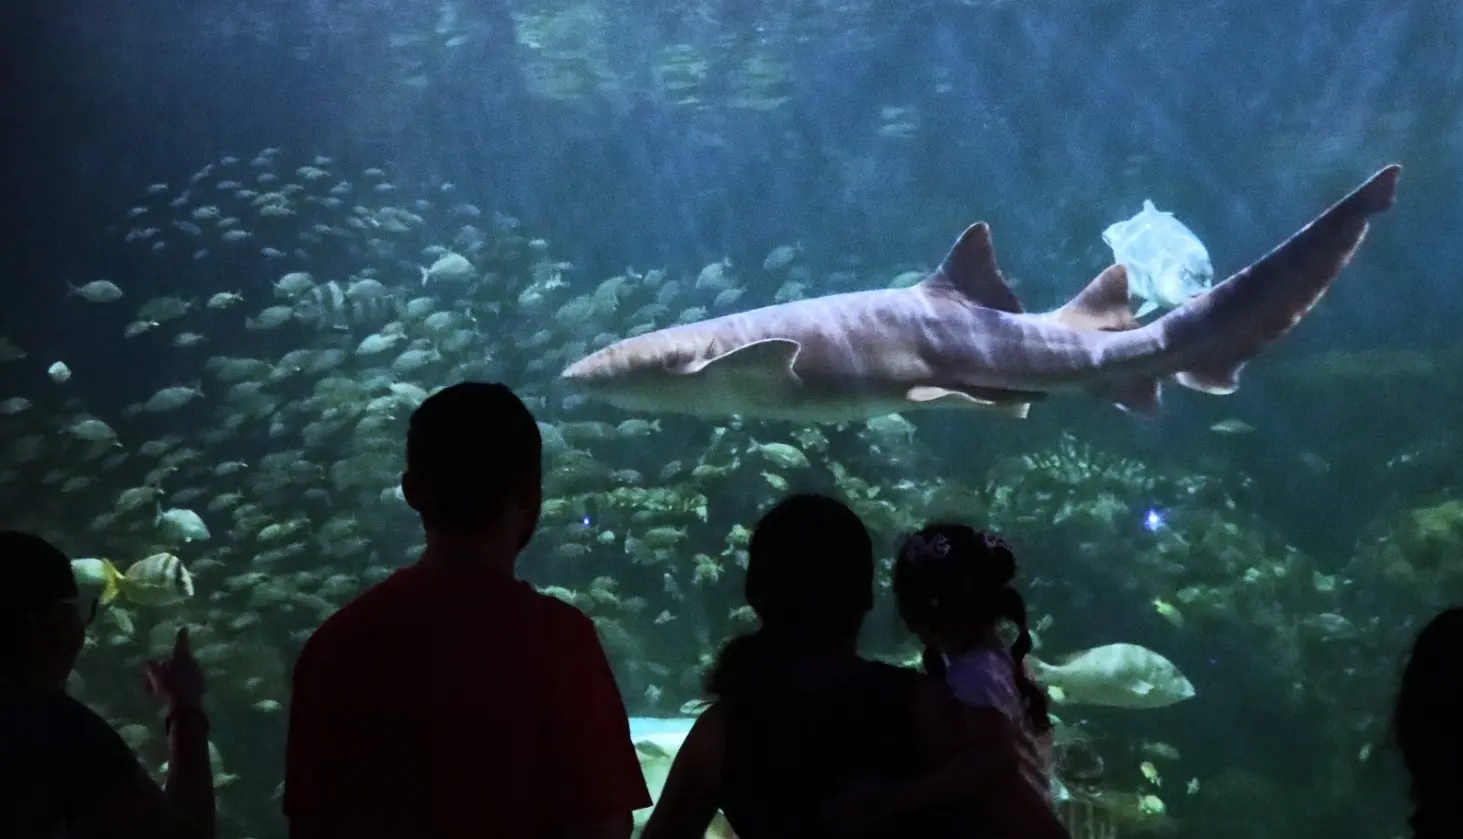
pixel 961 338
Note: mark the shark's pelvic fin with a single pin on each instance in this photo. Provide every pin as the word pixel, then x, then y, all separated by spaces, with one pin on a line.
pixel 1219 381
pixel 1101 306
pixel 766 363
pixel 1011 403
pixel 970 270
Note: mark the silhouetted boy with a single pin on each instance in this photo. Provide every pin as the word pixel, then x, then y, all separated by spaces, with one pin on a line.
pixel 452 699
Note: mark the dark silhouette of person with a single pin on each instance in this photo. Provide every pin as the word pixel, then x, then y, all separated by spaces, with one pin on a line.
pixel 66 772
pixel 453 699
pixel 1427 724
pixel 803 732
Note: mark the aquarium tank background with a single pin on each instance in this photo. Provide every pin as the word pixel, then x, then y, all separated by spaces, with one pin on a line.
pixel 244 240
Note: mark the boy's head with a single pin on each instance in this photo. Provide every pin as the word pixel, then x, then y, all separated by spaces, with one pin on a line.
pixel 473 462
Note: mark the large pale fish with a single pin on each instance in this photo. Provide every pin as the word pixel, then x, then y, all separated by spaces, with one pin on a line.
pixel 1167 264
pixel 1115 675
pixel 961 339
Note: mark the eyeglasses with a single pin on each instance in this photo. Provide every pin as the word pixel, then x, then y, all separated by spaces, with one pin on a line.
pixel 85 606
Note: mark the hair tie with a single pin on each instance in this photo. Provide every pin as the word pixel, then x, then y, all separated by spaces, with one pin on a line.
pixel 920 547
pixel 994 542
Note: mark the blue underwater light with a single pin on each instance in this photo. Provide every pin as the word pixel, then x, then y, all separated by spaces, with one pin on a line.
pixel 586 522
pixel 1153 520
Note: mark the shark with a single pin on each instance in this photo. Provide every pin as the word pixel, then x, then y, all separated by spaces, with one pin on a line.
pixel 960 339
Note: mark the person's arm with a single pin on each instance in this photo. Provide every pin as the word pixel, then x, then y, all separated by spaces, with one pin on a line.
pixel 592 752
pixel 966 747
pixel 692 793
pixel 190 771
pixel 975 747
pixel 974 750
pixel 972 747
pixel 112 795
pixel 130 803
pixel 1013 806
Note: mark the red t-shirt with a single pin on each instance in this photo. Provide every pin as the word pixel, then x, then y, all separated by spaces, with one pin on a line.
pixel 446 702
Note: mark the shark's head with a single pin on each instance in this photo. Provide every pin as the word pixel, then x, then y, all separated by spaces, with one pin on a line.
pixel 644 373
pixel 701 369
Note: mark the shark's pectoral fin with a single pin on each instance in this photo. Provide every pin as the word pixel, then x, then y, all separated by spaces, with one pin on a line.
pixel 1101 306
pixel 1017 408
pixel 1140 396
pixel 766 363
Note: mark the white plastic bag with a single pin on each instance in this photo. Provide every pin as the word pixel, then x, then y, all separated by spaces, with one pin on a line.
pixel 1167 264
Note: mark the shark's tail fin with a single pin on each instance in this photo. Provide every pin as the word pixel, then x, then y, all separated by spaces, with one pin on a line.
pixel 1229 325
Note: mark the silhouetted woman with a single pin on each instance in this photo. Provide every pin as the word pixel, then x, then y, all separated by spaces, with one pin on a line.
pixel 1428 726
pixel 799 720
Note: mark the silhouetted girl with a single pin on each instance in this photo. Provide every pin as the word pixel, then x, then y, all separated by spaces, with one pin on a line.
pixel 953 588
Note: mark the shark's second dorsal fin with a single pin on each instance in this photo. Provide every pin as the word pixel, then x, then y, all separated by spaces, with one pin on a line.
pixel 970 270
pixel 1101 306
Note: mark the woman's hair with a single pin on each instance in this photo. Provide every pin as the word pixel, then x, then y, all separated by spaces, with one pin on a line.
pixel 1426 724
pixel 810 579
pixel 949 578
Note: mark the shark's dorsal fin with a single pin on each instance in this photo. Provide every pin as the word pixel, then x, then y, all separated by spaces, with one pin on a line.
pixel 1101 306
pixel 970 270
